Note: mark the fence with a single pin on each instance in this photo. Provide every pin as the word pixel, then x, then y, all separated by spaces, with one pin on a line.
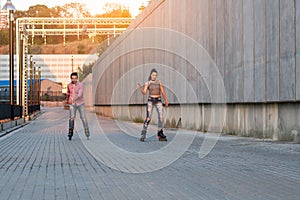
pixel 6 111
pixel 52 96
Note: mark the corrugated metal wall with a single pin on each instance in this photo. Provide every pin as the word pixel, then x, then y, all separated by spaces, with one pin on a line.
pixel 254 44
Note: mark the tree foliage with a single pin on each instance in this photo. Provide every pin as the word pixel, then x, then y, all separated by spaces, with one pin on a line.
pixel 4 35
pixel 114 10
pixel 85 71
pixel 36 11
pixel 72 10
pixel 80 49
pixel 69 10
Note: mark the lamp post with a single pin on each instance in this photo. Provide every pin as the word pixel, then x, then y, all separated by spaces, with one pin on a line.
pixel 21 71
pixel 31 82
pixel 39 87
pixel 72 59
pixel 34 84
pixel 11 62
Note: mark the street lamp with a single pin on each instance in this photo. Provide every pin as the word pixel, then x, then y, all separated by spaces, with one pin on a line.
pixel 36 85
pixel 39 87
pixel 11 62
pixel 72 59
pixel 31 82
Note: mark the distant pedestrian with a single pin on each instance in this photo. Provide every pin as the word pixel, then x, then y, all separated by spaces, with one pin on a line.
pixel 156 89
pixel 76 102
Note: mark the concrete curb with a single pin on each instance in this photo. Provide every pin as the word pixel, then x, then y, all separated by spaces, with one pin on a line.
pixel 8 127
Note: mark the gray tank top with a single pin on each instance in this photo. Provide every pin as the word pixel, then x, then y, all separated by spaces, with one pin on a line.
pixel 154 87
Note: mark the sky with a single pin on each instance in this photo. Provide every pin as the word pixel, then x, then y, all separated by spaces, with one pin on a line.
pixel 94 6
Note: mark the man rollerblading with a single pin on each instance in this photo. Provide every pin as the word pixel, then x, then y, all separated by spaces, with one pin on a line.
pixel 76 102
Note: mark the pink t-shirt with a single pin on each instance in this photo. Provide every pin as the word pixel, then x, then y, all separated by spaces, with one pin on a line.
pixel 75 93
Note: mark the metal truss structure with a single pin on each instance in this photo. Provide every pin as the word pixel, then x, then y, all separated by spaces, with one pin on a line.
pixel 28 28
pixel 72 26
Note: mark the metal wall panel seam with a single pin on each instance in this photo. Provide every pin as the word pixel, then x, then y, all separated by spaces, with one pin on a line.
pixel 224 52
pixel 279 52
pixel 232 47
pixel 295 52
pixel 254 60
pixel 265 49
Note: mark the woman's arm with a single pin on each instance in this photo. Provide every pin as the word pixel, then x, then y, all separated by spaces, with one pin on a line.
pixel 143 90
pixel 163 94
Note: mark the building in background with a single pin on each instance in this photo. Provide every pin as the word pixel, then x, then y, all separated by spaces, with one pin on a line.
pixel 50 87
pixel 51 91
pixel 56 68
pixel 4 14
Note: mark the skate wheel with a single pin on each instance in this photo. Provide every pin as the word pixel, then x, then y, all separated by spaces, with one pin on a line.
pixel 162 139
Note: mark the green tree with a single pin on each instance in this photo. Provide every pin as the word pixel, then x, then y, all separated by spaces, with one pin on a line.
pixel 57 11
pixel 80 49
pixel 20 14
pixel 85 71
pixel 4 35
pixel 114 10
pixel 72 10
pixel 103 44
pixel 39 11
pixel 69 10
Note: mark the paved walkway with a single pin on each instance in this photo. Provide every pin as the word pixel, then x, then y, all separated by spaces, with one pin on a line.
pixel 38 162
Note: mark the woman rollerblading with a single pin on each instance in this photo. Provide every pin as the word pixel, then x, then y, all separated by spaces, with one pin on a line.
pixel 156 89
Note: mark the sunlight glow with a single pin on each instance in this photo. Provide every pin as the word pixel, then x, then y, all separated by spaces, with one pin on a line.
pixel 94 6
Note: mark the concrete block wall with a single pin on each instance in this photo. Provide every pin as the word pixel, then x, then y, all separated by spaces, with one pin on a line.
pixel 253 44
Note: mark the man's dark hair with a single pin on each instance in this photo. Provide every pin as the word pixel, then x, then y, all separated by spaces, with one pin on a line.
pixel 74 74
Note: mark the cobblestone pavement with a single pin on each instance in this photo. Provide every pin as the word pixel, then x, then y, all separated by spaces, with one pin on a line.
pixel 38 162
